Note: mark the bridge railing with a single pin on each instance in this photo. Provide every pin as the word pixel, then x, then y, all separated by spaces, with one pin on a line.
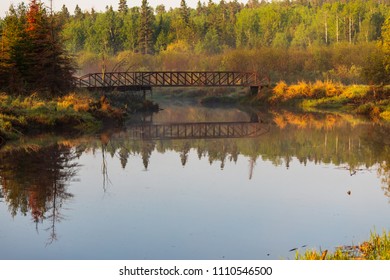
pixel 166 79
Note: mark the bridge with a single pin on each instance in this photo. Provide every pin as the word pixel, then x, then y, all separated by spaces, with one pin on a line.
pixel 136 81
pixel 203 130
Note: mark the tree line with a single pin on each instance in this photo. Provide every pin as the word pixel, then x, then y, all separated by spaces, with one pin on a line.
pixel 290 40
pixel 211 28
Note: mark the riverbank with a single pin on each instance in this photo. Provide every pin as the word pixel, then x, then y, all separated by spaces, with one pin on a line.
pixel 74 112
pixel 376 248
pixel 371 101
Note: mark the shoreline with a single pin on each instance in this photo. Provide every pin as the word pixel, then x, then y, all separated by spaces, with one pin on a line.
pixel 81 112
pixel 87 112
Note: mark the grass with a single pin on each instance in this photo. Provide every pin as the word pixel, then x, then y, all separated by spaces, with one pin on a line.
pixel 365 100
pixel 73 112
pixel 376 248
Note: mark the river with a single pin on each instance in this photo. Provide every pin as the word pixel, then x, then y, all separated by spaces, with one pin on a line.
pixel 207 191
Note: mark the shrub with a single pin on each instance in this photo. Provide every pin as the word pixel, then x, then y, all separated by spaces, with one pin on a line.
pixel 333 89
pixel 299 90
pixel 280 89
pixel 317 90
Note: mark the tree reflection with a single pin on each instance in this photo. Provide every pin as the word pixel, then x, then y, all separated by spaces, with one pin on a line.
pixel 35 180
pixel 341 140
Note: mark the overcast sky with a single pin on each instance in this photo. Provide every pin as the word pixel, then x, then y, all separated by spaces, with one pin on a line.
pixel 99 5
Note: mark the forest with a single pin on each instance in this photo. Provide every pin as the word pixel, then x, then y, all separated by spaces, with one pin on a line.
pixel 319 45
pixel 346 41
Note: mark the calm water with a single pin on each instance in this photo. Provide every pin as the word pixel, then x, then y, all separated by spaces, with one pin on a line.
pixel 301 181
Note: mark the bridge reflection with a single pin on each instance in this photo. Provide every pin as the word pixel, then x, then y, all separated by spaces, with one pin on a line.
pixel 198 130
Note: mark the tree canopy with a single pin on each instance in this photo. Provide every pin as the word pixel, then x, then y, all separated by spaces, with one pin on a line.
pixel 324 39
pixel 230 24
pixel 33 57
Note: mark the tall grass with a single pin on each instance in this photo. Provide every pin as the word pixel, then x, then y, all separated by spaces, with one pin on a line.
pixel 73 111
pixel 376 248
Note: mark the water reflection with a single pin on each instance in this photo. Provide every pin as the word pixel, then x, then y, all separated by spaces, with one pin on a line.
pixel 34 178
pixel 34 181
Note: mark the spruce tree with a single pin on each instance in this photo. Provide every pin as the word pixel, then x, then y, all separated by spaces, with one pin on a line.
pixel 145 36
pixel 122 7
pixel 35 52
pixel 49 67
pixel 184 12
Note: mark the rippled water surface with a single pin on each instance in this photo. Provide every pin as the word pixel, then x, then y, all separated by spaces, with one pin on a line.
pixel 183 184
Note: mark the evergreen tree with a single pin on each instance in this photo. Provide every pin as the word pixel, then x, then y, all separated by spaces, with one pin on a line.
pixel 145 36
pixel 122 7
pixel 78 13
pixel 35 53
pixel 184 12
pixel 49 67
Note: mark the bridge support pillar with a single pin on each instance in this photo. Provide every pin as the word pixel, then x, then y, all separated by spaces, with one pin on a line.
pixel 255 90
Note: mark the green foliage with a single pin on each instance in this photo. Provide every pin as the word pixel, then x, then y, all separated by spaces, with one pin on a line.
pixel 145 33
pixel 386 45
pixel 376 248
pixel 280 40
pixel 237 26
pixel 32 56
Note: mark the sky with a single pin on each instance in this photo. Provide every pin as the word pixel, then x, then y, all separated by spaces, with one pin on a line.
pixel 99 5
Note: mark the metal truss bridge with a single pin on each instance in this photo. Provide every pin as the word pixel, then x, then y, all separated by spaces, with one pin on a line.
pixel 136 81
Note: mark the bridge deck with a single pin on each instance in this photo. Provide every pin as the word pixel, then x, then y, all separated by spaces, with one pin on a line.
pixel 147 80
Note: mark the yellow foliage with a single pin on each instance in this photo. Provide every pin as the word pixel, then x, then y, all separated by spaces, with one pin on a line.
pixel 280 89
pixel 179 46
pixel 333 89
pixel 79 103
pixel 356 91
pixel 3 97
pixel 385 115
pixel 299 90
pixel 317 90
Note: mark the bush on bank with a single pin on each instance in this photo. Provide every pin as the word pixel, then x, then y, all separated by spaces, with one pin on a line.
pixel 372 101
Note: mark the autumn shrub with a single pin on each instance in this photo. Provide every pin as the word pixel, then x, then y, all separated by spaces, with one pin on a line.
pixel 280 90
pixel 300 90
pixel 317 90
pixel 79 102
pixel 333 89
